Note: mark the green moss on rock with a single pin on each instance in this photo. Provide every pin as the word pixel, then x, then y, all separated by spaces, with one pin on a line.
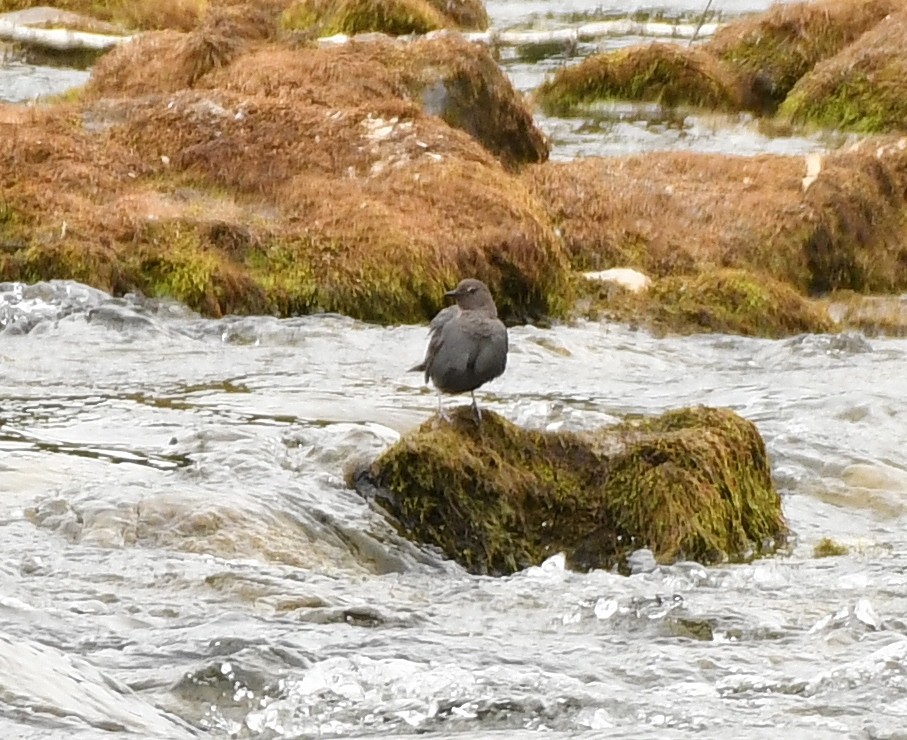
pixel 177 259
pixel 139 14
pixel 663 73
pixel 862 89
pixel 726 301
pixel 773 50
pixel 692 483
pixel 393 17
pixel 828 548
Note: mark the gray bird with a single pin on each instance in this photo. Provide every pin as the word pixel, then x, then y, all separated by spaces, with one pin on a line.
pixel 467 344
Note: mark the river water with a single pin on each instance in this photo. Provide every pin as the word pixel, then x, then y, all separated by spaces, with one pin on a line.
pixel 180 556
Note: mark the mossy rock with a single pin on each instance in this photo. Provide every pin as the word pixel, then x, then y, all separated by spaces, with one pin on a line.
pixel 149 199
pixel 667 74
pixel 449 77
pixel 181 15
pixel 689 484
pixel 725 301
pixel 673 213
pixel 862 89
pixel 857 235
pixel 771 51
pixel 828 548
pixel 393 17
pixel 680 213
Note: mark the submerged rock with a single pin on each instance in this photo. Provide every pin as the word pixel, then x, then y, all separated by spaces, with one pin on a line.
pixel 689 484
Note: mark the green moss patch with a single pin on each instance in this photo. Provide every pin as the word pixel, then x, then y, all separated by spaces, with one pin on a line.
pixel 724 301
pixel 692 483
pixel 828 548
pixel 663 73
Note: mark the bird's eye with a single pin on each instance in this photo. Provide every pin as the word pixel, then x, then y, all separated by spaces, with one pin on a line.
pixel 473 289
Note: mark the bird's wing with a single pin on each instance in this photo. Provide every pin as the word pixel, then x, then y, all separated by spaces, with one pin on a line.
pixel 488 358
pixel 434 338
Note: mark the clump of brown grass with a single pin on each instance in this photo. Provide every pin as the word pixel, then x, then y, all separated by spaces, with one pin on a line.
pixel 450 78
pixel 168 61
pixel 470 15
pixel 857 237
pixel 674 212
pixel 350 74
pixel 176 15
pixel 393 17
pixel 669 213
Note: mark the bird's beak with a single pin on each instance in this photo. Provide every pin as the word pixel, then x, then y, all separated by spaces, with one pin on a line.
pixel 451 293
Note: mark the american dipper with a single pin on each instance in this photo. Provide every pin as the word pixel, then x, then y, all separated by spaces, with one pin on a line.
pixel 467 344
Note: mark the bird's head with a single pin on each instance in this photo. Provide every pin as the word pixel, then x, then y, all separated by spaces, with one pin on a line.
pixel 471 295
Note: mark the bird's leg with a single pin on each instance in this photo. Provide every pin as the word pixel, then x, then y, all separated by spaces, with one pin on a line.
pixel 441 412
pixel 475 408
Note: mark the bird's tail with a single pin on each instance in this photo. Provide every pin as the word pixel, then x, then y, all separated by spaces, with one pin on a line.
pixel 417 368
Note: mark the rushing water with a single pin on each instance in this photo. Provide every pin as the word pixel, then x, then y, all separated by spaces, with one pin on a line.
pixel 180 556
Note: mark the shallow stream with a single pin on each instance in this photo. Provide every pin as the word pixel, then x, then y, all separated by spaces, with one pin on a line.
pixel 180 556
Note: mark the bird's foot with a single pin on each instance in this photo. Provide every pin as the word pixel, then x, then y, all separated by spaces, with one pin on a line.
pixel 441 410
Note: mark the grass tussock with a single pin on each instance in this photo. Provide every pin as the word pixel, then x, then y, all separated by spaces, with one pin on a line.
pixel 771 51
pixel 863 88
pixel 168 61
pixel 449 78
pixel 393 17
pixel 667 74
pixel 144 15
pixel 670 213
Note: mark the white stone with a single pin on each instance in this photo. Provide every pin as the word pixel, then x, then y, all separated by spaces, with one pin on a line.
pixel 633 280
